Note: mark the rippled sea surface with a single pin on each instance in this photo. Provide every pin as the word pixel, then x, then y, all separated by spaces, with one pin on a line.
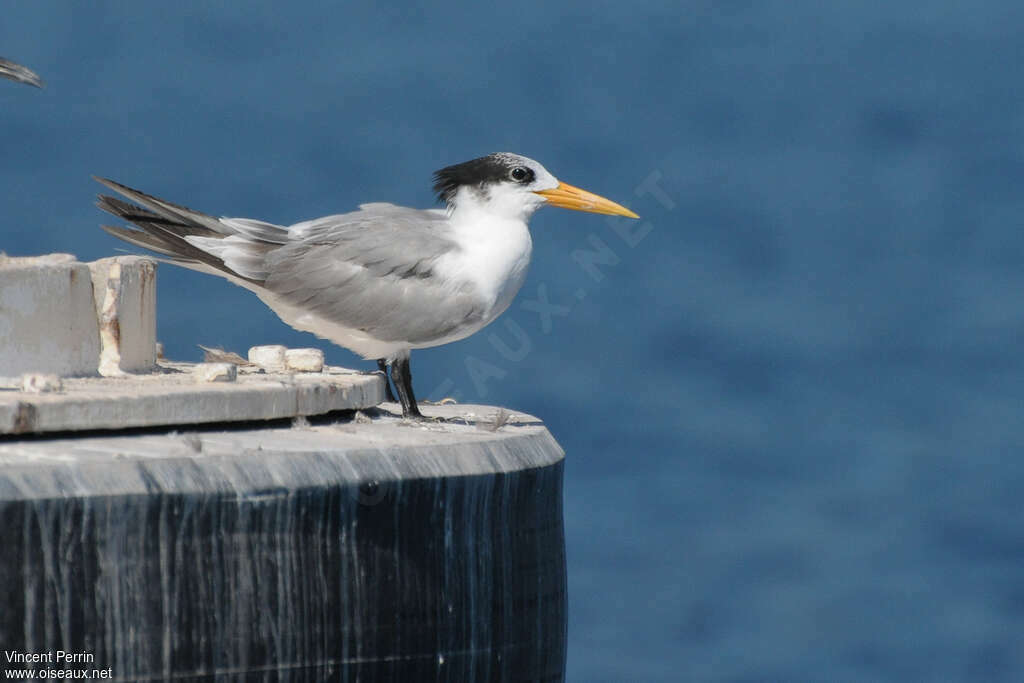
pixel 792 397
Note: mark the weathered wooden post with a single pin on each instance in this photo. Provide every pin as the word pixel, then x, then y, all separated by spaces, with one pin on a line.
pixel 206 541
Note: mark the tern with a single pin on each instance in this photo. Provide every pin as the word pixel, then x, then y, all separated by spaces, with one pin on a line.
pixel 17 72
pixel 382 280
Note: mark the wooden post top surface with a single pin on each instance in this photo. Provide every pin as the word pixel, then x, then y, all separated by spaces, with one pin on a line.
pixel 374 445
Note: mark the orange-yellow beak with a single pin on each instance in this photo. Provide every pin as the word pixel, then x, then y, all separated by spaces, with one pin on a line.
pixel 568 197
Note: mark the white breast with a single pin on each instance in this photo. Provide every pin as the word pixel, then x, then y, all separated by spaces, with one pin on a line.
pixel 493 258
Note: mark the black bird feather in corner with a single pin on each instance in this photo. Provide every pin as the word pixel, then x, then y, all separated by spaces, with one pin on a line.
pixel 19 73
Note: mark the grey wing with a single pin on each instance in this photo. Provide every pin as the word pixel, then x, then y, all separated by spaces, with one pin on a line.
pixel 374 270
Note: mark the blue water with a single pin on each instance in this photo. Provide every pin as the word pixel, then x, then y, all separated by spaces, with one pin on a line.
pixel 792 398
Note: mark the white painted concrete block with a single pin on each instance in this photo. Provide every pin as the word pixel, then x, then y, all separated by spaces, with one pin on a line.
pixel 124 288
pixel 304 360
pixel 270 357
pixel 216 372
pixel 47 317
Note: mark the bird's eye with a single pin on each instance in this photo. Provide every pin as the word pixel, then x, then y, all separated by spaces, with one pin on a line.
pixel 519 174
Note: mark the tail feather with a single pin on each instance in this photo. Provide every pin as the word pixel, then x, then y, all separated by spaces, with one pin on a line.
pixel 137 214
pixel 141 239
pixel 179 251
pixel 188 237
pixel 182 214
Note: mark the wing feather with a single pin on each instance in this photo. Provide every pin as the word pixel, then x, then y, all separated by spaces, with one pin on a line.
pixel 375 269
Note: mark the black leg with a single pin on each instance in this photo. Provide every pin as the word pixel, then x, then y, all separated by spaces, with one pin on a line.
pixel 401 375
pixel 389 395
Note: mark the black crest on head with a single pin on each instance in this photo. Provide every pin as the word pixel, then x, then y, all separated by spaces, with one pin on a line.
pixel 479 172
